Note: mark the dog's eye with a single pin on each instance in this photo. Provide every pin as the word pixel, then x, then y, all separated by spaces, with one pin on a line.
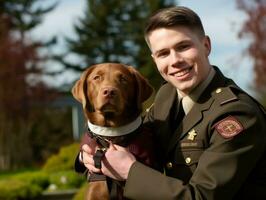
pixel 123 79
pixel 96 77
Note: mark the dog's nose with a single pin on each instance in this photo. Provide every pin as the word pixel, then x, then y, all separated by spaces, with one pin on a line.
pixel 109 92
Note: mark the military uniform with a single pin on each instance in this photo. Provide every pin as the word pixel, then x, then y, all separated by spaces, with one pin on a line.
pixel 216 152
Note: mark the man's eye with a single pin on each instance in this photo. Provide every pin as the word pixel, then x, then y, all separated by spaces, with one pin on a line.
pixel 162 54
pixel 183 47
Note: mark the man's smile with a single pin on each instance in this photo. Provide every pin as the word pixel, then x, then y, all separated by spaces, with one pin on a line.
pixel 181 73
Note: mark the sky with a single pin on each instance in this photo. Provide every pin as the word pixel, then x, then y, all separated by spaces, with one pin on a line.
pixel 221 19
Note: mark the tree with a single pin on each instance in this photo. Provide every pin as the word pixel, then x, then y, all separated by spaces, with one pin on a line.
pixel 112 31
pixel 255 28
pixel 20 84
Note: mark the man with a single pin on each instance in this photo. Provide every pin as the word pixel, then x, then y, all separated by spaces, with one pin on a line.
pixel 216 150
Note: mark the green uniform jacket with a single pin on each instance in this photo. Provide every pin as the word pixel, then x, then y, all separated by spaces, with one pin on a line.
pixel 225 160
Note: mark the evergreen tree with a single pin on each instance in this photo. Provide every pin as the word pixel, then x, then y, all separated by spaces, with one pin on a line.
pixel 112 31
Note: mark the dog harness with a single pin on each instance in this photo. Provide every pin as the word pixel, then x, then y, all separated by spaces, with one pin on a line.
pixel 103 136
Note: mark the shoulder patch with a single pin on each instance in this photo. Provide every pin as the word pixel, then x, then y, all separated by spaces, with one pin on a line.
pixel 229 127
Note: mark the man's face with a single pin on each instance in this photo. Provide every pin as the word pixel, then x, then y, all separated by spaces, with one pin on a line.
pixel 181 56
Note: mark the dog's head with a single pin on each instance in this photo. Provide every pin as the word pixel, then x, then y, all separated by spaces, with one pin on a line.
pixel 111 94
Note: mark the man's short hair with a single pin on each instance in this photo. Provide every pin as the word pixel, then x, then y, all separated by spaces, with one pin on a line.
pixel 174 16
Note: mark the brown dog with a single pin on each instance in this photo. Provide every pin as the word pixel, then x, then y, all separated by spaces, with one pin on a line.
pixel 112 95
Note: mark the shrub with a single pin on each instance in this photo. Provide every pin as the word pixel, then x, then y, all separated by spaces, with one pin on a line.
pixel 26 185
pixel 57 172
pixel 64 160
pixel 38 178
pixel 65 180
pixel 17 189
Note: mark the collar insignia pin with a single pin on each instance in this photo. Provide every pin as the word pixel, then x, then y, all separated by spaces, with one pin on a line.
pixel 192 134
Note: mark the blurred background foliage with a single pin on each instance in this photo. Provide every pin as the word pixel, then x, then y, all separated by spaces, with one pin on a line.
pixel 32 130
pixel 255 29
pixel 114 35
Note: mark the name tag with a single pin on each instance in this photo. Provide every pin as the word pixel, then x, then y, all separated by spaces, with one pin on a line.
pixel 189 144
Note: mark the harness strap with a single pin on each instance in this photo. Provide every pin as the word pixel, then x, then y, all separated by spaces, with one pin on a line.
pixel 114 185
pixel 98 157
pixel 99 139
pixel 96 177
pixel 97 162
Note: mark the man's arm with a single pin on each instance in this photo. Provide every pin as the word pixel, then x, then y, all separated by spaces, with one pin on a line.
pixel 222 169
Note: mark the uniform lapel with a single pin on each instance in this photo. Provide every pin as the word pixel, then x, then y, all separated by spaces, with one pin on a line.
pixel 196 113
pixel 168 94
pixel 193 117
pixel 190 120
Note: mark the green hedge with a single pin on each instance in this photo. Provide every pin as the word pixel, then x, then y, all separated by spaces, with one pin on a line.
pixel 17 189
pixel 64 160
pixel 65 180
pixel 38 178
pixel 57 173
pixel 61 169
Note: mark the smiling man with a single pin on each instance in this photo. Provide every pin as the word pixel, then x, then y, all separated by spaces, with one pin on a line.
pixel 210 134
pixel 181 56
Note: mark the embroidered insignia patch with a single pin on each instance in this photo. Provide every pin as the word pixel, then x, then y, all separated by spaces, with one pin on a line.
pixel 229 127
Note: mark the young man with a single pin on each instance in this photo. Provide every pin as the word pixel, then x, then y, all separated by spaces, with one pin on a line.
pixel 216 150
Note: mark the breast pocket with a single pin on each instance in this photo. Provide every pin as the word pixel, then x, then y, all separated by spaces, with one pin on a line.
pixel 185 159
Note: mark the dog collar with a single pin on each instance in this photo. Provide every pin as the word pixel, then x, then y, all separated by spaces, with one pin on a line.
pixel 115 131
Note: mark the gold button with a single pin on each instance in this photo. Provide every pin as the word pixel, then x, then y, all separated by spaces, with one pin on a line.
pixel 169 165
pixel 218 90
pixel 188 160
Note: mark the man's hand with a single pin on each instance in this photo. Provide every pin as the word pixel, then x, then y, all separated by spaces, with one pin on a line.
pixel 117 162
pixel 87 156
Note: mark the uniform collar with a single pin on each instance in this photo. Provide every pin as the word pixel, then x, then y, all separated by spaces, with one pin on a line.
pixel 189 100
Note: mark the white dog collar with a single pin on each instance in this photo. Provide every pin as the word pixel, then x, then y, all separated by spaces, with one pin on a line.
pixel 115 131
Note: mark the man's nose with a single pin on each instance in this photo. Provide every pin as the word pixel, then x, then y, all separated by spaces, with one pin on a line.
pixel 176 57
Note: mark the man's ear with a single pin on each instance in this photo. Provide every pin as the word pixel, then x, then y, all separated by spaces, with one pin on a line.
pixel 79 90
pixel 207 44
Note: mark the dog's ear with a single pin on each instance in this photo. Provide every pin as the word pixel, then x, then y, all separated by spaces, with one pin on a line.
pixel 79 90
pixel 145 90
